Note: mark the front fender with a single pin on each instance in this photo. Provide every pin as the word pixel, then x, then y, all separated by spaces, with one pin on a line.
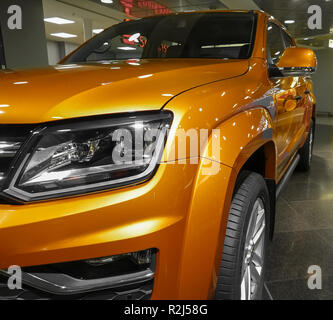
pixel 238 138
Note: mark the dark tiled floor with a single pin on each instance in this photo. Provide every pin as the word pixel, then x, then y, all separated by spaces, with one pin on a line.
pixel 304 229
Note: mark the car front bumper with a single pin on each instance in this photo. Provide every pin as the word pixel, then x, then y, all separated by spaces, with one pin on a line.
pixel 154 214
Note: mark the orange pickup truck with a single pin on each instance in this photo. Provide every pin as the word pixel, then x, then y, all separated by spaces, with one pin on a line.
pixel 148 162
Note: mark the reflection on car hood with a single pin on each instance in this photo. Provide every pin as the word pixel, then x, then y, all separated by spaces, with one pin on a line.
pixel 70 91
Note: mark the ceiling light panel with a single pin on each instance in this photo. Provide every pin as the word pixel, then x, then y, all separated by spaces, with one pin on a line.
pixel 63 35
pixel 57 20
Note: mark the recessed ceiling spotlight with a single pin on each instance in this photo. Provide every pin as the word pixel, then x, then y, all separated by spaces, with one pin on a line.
pixel 107 1
pixel 63 35
pixel 57 20
pixel 289 21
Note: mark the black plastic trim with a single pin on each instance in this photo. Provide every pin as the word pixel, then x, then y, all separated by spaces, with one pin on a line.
pixel 287 176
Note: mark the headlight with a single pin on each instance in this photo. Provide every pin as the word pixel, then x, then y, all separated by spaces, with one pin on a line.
pixel 89 155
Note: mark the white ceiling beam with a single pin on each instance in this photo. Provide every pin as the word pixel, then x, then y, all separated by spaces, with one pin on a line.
pixel 89 8
pixel 240 4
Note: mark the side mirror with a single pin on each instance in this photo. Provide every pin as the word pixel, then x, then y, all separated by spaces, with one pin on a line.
pixel 297 62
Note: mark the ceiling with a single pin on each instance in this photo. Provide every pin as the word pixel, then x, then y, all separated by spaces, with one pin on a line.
pixel 81 12
pixel 144 8
pixel 102 15
pixel 298 10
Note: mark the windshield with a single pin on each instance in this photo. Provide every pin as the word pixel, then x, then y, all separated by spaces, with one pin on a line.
pixel 198 35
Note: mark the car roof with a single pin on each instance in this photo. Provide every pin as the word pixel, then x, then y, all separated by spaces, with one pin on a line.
pixel 258 12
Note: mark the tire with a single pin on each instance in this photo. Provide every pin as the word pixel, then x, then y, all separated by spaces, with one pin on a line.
pixel 250 200
pixel 307 151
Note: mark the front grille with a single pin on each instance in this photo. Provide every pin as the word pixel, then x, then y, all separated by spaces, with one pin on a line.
pixel 12 138
pixel 8 149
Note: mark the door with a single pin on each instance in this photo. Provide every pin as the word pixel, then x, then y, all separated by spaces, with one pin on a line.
pixel 289 95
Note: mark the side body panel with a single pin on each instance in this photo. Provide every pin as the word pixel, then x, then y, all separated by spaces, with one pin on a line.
pixel 291 95
pixel 247 128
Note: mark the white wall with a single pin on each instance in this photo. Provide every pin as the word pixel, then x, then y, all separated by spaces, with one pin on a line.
pixel 58 50
pixel 70 47
pixel 323 81
pixel 53 52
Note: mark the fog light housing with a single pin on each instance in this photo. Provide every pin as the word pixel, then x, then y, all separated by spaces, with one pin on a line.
pixel 140 258
pixel 126 276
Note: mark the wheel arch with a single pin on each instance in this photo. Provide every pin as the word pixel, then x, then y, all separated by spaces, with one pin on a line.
pixel 262 161
pixel 205 229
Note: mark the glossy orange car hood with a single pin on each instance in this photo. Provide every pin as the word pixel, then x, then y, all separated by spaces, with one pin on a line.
pixel 70 91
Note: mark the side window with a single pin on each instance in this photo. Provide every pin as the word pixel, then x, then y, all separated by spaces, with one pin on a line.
pixel 275 43
pixel 287 40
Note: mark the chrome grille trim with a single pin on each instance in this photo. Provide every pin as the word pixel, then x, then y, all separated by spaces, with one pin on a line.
pixel 12 139
pixel 9 148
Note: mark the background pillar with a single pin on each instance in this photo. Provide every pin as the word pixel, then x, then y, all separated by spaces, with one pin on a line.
pixel 25 47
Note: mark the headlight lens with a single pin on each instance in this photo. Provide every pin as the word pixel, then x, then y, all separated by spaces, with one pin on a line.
pixel 90 155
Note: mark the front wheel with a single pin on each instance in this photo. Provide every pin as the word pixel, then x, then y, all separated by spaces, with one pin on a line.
pixel 242 269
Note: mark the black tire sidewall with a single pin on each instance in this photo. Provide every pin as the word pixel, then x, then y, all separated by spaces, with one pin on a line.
pixel 256 188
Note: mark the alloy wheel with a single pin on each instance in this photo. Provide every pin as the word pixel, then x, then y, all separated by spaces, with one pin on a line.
pixel 253 260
